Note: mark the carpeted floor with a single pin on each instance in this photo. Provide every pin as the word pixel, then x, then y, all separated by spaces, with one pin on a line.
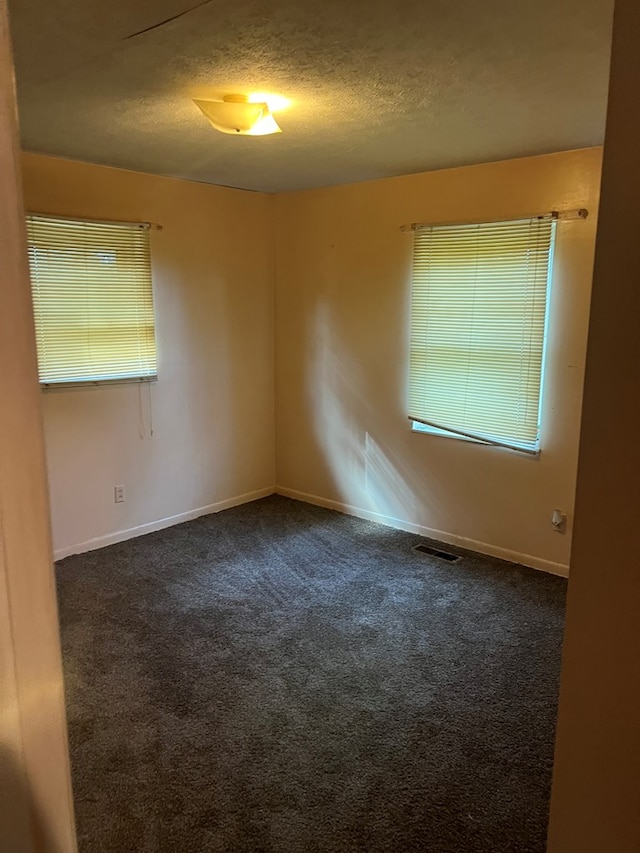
pixel 283 678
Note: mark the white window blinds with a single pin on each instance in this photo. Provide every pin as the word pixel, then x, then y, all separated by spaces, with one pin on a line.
pixel 92 300
pixel 478 315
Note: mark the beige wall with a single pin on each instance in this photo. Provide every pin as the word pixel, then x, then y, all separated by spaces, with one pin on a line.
pixel 342 291
pixel 596 791
pixel 36 811
pixel 342 268
pixel 212 408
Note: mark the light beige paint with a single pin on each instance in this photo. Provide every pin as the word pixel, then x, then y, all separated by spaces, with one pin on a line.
pixel 342 297
pixel 200 438
pixel 596 790
pixel 36 812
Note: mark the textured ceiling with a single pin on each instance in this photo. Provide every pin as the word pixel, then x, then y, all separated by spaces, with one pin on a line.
pixel 378 88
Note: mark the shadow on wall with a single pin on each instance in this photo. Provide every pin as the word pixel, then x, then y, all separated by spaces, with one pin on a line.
pixel 368 475
pixel 22 829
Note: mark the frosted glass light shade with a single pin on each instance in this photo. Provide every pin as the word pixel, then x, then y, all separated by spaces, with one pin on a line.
pixel 237 116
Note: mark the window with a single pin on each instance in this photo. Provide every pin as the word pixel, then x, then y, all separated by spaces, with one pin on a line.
pixel 92 300
pixel 478 316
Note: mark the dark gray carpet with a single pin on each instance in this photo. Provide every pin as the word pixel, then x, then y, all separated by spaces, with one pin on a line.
pixel 280 677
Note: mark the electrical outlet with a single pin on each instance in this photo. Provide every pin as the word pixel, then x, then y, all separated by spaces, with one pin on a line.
pixel 118 494
pixel 559 521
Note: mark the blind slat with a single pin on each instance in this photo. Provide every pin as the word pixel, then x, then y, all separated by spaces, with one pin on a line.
pixel 478 315
pixel 92 300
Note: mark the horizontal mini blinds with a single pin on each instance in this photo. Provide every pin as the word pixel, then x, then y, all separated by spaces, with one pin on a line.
pixel 479 295
pixel 92 299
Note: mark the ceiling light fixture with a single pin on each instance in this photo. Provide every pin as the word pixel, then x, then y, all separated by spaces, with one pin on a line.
pixel 276 103
pixel 238 114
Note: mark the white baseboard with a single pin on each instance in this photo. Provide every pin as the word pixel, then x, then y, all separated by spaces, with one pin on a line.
pixel 462 541
pixel 160 524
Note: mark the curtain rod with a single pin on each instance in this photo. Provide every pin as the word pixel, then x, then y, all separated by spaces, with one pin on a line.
pixel 578 213
pixel 143 226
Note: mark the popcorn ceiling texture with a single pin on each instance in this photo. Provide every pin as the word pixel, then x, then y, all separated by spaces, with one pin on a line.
pixel 378 88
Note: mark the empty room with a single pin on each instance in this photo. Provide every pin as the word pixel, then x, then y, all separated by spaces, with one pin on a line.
pixel 309 337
